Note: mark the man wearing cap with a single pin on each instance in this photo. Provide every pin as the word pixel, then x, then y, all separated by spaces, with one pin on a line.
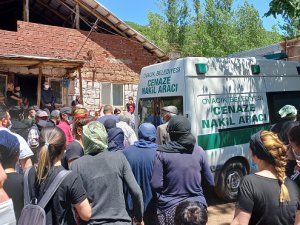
pixel 162 134
pixel 64 123
pixel 288 115
pixel 33 140
pixel 55 117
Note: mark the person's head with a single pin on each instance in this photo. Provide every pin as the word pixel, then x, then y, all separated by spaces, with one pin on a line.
pixel 190 213
pixel 31 112
pixel 117 111
pixel 125 117
pixel 77 128
pixel 65 113
pixel 80 113
pixel 9 149
pixel 168 111
pixel 41 118
pixel 15 113
pixel 17 88
pixel 288 112
pixel 109 123
pixel 78 97
pixel 115 139
pixel 294 141
pixel 94 138
pixel 147 132
pixel 130 99
pixel 55 116
pixel 46 85
pixel 53 145
pixel 267 149
pixel 108 110
pixel 10 87
pixel 4 117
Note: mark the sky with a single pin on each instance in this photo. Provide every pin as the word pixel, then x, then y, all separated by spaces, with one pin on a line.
pixel 137 10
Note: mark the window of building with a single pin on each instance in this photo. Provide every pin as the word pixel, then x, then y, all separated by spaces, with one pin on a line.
pixel 56 86
pixel 112 94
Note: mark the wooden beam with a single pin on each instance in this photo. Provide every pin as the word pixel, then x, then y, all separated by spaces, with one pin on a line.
pixel 26 10
pixel 39 88
pixel 100 17
pixel 52 10
pixel 77 17
pixel 80 83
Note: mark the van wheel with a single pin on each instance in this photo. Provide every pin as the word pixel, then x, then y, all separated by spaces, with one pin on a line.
pixel 230 179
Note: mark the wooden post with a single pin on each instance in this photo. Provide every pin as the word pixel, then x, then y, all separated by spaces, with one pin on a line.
pixel 80 84
pixel 26 10
pixel 39 87
pixel 77 17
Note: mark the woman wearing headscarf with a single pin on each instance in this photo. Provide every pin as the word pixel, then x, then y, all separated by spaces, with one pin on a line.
pixel 115 135
pixel 268 196
pixel 105 175
pixel 179 168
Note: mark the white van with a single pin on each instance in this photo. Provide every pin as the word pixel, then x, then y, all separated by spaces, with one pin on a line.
pixel 226 99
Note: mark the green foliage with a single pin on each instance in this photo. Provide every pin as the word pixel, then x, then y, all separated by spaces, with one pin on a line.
pixel 290 11
pixel 215 29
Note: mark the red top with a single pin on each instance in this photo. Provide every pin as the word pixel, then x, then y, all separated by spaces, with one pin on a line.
pixel 65 126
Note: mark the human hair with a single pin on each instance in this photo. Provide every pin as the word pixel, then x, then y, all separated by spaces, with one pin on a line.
pixel 79 123
pixel 125 117
pixel 294 135
pixel 53 142
pixel 108 108
pixel 117 111
pixel 278 150
pixel 190 213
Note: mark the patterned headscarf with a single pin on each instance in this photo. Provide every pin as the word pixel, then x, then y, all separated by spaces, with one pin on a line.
pixel 94 138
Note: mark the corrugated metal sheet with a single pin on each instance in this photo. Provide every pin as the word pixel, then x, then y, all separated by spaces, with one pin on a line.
pixel 270 49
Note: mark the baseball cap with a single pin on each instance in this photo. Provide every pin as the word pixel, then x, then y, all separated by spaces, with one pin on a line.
pixel 170 109
pixel 41 113
pixel 55 113
pixel 288 111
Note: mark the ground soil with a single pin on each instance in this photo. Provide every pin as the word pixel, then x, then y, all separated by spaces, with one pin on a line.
pixel 219 211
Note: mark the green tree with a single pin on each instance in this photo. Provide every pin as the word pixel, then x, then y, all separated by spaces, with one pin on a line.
pixel 290 11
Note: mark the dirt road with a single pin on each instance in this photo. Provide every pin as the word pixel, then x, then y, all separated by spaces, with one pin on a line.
pixel 219 212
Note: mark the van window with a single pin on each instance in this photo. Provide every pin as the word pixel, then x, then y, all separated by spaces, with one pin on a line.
pixel 276 100
pixel 149 108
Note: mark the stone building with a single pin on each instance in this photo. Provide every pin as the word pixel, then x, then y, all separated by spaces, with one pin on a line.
pixel 79 46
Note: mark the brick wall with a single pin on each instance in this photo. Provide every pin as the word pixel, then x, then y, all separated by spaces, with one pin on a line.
pixel 114 59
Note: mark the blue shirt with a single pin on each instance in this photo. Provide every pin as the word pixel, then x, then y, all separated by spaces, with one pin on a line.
pixel 105 117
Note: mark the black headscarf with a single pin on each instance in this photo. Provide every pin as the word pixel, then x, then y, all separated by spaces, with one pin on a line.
pixel 259 150
pixel 182 141
pixel 109 123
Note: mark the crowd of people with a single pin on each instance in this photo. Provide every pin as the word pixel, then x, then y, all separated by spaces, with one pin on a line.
pixel 96 170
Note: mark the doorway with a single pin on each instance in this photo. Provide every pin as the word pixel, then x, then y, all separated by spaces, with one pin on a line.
pixel 28 85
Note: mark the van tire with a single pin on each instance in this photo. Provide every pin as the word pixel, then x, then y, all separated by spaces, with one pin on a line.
pixel 229 180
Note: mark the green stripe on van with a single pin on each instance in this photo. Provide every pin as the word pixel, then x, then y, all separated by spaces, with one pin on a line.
pixel 229 138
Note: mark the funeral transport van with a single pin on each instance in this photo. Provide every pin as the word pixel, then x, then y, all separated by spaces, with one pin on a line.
pixel 226 99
